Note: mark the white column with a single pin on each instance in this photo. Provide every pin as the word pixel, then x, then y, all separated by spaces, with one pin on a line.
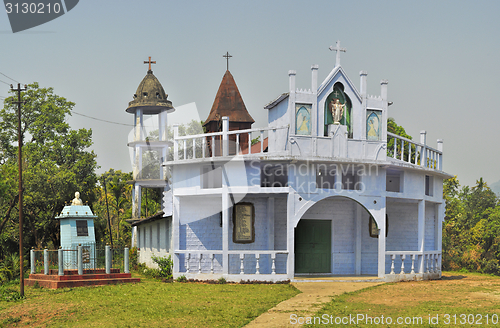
pixel 357 246
pixel 175 231
pixel 225 139
pixel 270 223
pixel 421 231
pixel 439 226
pixel 225 225
pixel 379 215
pixel 291 101
pixel 136 201
pixel 290 236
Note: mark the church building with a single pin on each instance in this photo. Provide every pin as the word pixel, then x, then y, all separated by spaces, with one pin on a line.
pixel 323 190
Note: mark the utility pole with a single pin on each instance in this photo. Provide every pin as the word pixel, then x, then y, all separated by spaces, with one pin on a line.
pixel 19 159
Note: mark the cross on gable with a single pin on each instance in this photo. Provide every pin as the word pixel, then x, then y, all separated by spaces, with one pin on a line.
pixel 227 56
pixel 338 49
pixel 150 62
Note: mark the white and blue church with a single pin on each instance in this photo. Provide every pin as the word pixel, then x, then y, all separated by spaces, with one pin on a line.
pixel 325 189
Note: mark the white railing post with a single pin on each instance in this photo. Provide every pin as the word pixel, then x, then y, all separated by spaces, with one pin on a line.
pixel 203 146
pixel 212 263
pixel 237 144
pixel 257 266
pixel 80 260
pixel 402 264
pixel 194 148
pixel 412 263
pixel 402 149
pixel 249 143
pixel 440 156
pixel 188 257
pixel 176 142
pixel 242 267
pixel 423 141
pixel 395 155
pixel 393 258
pixel 225 139
pixel 185 148
pixel 273 266
pixel 261 142
pixel 199 263
pixel 213 147
pixel 427 263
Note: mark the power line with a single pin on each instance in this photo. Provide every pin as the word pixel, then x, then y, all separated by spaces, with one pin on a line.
pixel 98 119
pixel 5 82
pixel 8 77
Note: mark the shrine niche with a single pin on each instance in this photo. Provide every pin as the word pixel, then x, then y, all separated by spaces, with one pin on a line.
pixel 303 119
pixel 373 124
pixel 243 223
pixel 338 108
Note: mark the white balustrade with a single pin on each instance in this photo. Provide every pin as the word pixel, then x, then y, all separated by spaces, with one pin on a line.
pixel 199 255
pixel 423 155
pixel 427 262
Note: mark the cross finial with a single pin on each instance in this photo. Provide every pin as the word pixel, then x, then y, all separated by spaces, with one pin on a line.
pixel 150 62
pixel 338 49
pixel 227 56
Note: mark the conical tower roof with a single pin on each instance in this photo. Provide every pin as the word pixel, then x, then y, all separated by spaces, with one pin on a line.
pixel 228 102
pixel 150 97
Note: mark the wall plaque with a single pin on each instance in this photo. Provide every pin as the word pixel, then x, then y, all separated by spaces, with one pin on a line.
pixel 243 223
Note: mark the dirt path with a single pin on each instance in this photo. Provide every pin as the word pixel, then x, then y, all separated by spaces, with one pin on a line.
pixel 313 295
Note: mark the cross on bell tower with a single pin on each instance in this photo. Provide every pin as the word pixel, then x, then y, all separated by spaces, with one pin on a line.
pixel 150 62
pixel 227 56
pixel 338 49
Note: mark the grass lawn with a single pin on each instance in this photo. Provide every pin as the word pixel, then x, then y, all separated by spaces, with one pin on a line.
pixel 150 303
pixel 458 300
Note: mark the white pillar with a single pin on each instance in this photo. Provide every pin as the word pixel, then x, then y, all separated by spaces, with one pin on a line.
pixel 290 236
pixel 225 223
pixel 270 223
pixel 383 89
pixel 225 139
pixel 357 239
pixel 379 216
pixel 421 232
pixel 175 231
pixel 362 83
pixel 314 82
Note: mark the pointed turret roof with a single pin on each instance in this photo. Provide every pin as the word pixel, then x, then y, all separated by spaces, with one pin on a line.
pixel 229 102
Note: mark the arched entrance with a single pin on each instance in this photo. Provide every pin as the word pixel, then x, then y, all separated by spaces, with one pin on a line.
pixel 333 237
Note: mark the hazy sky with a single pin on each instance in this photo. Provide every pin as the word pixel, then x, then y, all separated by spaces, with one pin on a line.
pixel 440 57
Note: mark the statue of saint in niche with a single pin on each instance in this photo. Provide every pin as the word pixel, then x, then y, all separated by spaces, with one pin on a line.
pixel 337 110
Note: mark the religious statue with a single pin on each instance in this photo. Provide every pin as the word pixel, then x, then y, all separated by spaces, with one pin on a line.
pixel 337 110
pixel 77 200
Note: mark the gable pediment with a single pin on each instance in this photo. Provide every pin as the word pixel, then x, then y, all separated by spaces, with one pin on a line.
pixel 338 75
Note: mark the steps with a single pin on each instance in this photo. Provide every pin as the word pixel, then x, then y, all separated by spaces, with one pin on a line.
pixel 71 278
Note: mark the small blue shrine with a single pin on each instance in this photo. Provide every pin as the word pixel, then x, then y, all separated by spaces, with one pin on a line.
pixel 77 227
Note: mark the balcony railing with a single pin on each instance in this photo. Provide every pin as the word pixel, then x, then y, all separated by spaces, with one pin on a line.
pixel 409 151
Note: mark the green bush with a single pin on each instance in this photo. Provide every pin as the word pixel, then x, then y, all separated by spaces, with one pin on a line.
pixel 165 265
pixel 182 279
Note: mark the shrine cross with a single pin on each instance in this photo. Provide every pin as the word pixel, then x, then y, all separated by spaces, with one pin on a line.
pixel 338 49
pixel 227 56
pixel 150 62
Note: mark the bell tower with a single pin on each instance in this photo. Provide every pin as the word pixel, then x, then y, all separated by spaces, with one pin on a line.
pixel 149 150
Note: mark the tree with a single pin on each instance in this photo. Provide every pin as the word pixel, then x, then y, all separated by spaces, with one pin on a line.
pixel 471 231
pixel 56 163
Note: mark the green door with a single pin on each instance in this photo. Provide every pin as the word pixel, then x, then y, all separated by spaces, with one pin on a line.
pixel 313 246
